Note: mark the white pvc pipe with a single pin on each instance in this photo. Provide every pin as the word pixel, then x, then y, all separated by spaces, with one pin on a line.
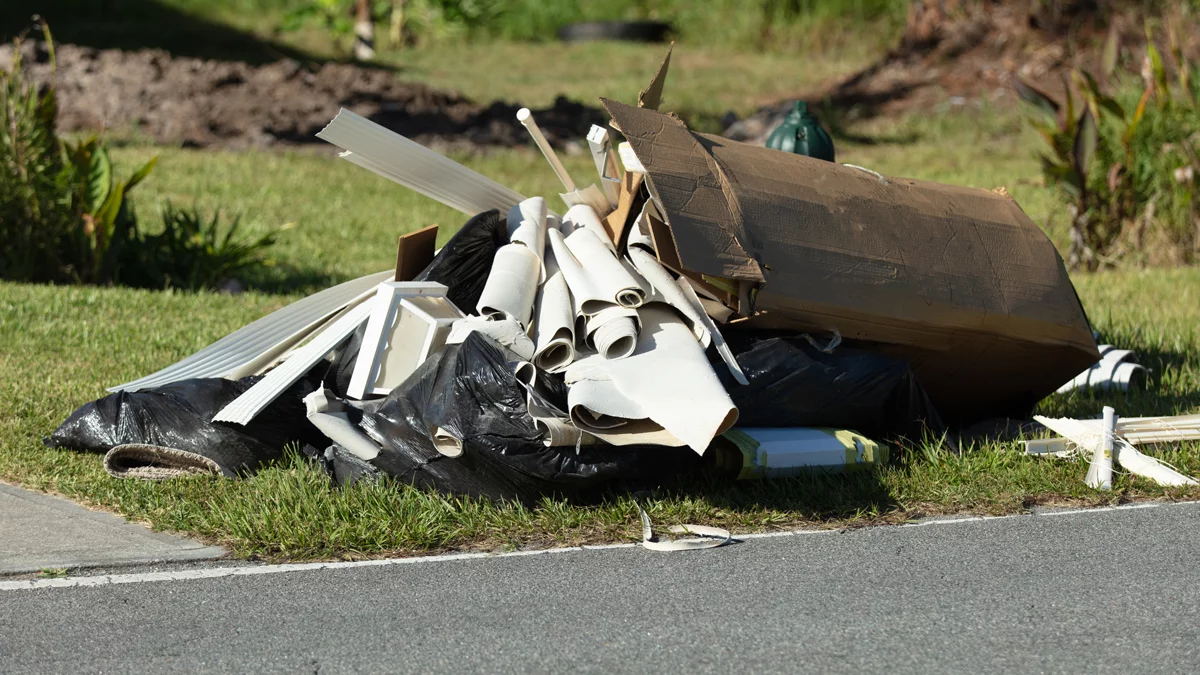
pixel 526 118
pixel 1099 474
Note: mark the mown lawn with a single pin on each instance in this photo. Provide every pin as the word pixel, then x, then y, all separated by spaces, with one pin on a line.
pixel 60 346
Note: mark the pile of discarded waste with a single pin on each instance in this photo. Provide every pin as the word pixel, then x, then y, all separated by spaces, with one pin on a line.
pixel 704 304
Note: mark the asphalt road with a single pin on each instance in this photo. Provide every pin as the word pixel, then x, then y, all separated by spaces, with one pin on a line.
pixel 1114 591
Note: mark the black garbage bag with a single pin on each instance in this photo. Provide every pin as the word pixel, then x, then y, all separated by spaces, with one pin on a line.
pixel 178 416
pixel 462 265
pixel 470 392
pixel 794 384
pixel 342 467
pixel 465 261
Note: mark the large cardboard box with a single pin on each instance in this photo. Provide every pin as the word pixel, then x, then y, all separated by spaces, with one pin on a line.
pixel 958 281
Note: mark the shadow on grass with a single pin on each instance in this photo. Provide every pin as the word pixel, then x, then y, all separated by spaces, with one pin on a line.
pixel 141 24
pixel 285 279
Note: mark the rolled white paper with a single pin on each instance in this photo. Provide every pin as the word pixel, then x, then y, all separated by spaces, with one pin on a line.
pixel 512 285
pixel 446 443
pixel 554 330
pixel 611 282
pixel 583 292
pixel 584 216
pixel 667 385
pixel 527 226
pixel 613 332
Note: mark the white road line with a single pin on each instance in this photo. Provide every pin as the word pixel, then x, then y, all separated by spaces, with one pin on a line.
pixel 219 572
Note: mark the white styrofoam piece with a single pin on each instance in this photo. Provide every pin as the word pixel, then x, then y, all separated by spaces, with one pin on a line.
pixel 328 414
pixel 511 285
pixel 554 327
pixel 269 335
pixel 415 166
pixel 507 332
pixel 400 335
pixel 245 407
pixel 667 380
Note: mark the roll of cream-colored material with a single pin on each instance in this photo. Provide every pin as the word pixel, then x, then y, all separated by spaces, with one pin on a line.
pixel 527 226
pixel 584 217
pixel 612 282
pixel 554 330
pixel 613 332
pixel 667 382
pixel 512 285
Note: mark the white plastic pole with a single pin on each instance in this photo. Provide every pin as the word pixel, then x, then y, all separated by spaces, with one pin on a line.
pixel 526 118
pixel 1100 472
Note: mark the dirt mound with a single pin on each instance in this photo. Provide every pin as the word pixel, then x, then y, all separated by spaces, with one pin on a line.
pixel 966 53
pixel 202 103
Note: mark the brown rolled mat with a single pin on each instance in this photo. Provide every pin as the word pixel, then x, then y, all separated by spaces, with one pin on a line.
pixel 155 462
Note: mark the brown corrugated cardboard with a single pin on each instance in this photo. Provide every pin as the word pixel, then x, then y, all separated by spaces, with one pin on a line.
pixel 958 281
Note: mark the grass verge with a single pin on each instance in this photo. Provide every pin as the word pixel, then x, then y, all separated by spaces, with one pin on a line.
pixel 59 346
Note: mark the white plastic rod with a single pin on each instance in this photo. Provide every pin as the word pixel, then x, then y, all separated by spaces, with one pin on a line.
pixel 526 118
pixel 1099 474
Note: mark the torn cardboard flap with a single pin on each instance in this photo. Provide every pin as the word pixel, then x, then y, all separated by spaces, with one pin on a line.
pixel 958 281
pixel 651 97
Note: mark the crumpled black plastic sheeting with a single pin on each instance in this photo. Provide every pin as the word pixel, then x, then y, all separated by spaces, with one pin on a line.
pixel 179 415
pixel 465 262
pixel 463 265
pixel 794 384
pixel 470 391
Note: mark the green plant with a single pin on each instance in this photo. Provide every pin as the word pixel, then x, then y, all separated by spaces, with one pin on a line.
pixel 1125 163
pixel 192 252
pixel 64 215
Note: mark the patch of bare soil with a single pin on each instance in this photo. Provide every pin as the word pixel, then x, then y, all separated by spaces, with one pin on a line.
pixel 957 53
pixel 201 103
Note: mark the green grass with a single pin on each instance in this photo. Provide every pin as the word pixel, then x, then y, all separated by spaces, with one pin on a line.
pixel 60 346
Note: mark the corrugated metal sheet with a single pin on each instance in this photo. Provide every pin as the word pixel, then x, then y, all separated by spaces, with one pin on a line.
pixel 275 332
pixel 414 166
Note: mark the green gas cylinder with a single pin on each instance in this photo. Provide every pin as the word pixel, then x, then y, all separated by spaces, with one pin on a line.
pixel 801 134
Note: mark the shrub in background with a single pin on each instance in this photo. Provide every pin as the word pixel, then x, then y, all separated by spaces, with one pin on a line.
pixel 65 217
pixel 1126 162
